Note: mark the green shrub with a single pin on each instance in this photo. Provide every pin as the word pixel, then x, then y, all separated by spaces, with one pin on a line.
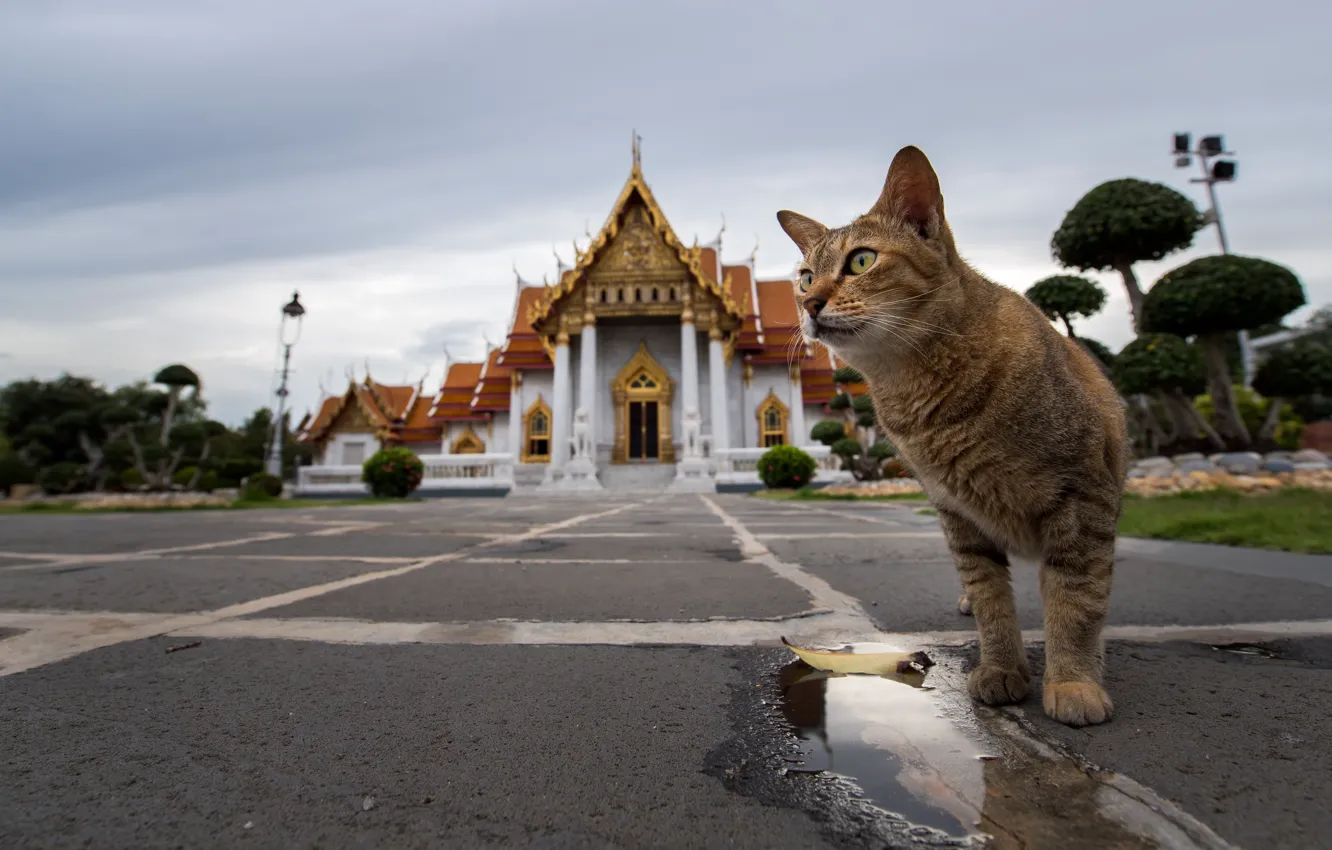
pixel 14 471
pixel 234 470
pixel 262 487
pixel 183 477
pixel 841 401
pixel 131 479
pixel 786 467
pixel 393 473
pixel 59 478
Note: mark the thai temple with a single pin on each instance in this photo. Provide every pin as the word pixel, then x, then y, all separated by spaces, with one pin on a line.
pixel 647 364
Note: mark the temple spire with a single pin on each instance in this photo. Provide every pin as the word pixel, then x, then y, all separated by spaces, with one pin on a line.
pixel 638 151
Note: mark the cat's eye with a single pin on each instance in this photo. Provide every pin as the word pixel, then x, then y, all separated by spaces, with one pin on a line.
pixel 860 261
pixel 806 280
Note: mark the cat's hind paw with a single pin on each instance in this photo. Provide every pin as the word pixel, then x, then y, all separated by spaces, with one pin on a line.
pixel 1078 703
pixel 998 686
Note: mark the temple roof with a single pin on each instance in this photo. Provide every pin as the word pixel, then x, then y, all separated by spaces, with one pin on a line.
pixel 454 400
pixel 395 412
pixel 701 267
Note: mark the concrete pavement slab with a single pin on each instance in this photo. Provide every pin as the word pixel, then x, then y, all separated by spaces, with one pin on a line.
pixel 108 533
pixel 166 584
pixel 279 744
pixel 657 546
pixel 1241 741
pixel 358 543
pixel 464 591
pixel 913 586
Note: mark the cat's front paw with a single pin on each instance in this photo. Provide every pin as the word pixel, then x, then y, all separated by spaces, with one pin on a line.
pixel 997 685
pixel 964 605
pixel 1078 703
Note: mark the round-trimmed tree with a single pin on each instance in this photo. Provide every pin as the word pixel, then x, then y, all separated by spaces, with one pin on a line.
pixel 1303 368
pixel 1099 350
pixel 1170 370
pixel 1122 222
pixel 1212 297
pixel 176 378
pixel 1065 297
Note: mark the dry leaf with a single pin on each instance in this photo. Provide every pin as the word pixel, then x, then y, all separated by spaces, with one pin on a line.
pixel 871 663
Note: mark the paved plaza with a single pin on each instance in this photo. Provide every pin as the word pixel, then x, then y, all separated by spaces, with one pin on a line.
pixel 606 671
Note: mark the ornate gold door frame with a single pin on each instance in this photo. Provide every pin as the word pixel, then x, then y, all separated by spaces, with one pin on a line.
pixel 642 379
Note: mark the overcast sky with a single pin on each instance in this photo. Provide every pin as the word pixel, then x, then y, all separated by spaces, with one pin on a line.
pixel 171 171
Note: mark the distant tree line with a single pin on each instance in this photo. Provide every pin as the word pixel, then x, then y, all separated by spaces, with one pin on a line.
pixel 72 434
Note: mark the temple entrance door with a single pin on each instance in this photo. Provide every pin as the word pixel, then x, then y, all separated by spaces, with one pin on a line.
pixel 644 433
pixel 642 393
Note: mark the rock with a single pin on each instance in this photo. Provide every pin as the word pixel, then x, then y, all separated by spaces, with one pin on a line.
pixel 1309 456
pixel 1187 457
pixel 1277 455
pixel 1156 461
pixel 1189 467
pixel 1277 465
pixel 1137 473
pixel 1240 463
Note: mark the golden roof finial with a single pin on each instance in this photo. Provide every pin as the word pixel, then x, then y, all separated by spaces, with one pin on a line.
pixel 577 252
pixel 720 232
pixel 587 230
pixel 638 151
pixel 559 264
pixel 753 255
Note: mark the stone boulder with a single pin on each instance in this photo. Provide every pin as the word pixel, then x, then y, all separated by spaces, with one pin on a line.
pixel 1276 464
pixel 1239 463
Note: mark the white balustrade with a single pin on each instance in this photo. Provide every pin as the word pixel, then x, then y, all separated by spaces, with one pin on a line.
pixel 441 472
pixel 740 466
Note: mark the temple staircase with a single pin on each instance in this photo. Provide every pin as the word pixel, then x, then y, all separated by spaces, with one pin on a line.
pixel 637 477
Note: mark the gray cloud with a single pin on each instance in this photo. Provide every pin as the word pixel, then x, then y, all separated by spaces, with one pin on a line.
pixel 169 172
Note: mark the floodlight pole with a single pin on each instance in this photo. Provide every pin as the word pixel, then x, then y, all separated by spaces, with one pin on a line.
pixel 1210 147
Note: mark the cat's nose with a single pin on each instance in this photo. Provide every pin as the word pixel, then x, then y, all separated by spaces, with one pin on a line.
pixel 814 305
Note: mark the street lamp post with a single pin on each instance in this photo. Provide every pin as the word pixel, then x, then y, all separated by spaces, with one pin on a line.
pixel 292 312
pixel 1213 172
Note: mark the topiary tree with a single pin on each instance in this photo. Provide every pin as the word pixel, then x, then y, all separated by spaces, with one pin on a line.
pixel 176 378
pixel 1212 297
pixel 1065 297
pixel 827 431
pixel 1099 350
pixel 1122 222
pixel 1302 368
pixel 1170 370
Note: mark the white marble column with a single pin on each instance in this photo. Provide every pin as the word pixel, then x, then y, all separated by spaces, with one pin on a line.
pixel 516 411
pixel 587 373
pixel 799 436
pixel 721 428
pixel 560 408
pixel 689 364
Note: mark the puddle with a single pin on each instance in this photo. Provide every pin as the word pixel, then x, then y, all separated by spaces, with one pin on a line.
pixel 950 773
pixel 1251 649
pixel 888 736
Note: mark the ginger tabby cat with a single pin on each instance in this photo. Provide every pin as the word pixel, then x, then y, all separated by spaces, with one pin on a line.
pixel 1015 434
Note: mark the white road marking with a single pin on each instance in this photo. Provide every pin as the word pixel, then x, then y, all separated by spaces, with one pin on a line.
pixel 819 590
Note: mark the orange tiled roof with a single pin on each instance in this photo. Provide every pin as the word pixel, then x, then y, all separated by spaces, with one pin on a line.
pixel 742 292
pixel 777 305
pixel 454 400
pixel 492 390
pixel 523 349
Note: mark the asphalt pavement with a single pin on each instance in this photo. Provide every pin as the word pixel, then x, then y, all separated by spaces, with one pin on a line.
pixel 606 671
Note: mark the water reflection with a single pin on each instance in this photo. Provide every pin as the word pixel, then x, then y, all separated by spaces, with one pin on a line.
pixel 886 735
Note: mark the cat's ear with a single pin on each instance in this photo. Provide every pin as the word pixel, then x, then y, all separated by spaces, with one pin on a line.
pixel 803 230
pixel 911 194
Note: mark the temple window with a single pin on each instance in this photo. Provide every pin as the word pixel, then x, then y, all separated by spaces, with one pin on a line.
pixel 638 295
pixel 772 421
pixel 672 293
pixel 603 296
pixel 656 294
pixel 620 293
pixel 536 433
